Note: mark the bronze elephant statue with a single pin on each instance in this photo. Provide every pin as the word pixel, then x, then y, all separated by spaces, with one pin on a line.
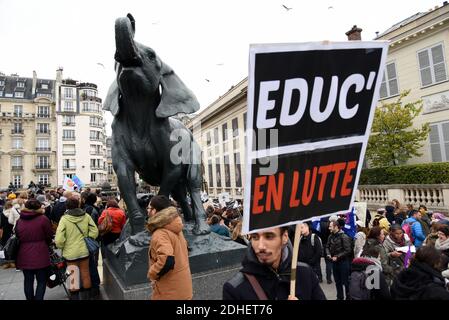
pixel 145 138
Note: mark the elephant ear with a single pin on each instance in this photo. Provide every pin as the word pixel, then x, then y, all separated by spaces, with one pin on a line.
pixel 111 102
pixel 175 96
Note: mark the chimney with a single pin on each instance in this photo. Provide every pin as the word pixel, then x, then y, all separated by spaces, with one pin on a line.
pixel 354 34
pixel 59 74
pixel 33 89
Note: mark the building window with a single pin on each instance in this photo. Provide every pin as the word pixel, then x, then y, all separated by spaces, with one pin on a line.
pixel 68 106
pixel 110 169
pixel 48 95
pixel 238 172
pixel 44 86
pixel 68 134
pixel 225 132
pixel 43 162
pixel 95 121
pixel 218 172
pixel 235 127
pixel 432 66
pixel 95 150
pixel 1 93
pixel 389 86
pixel 95 135
pixel 17 143
pixel 68 164
pixel 93 177
pixel 68 93
pixel 17 181
pixel 16 162
pixel 43 128
pixel 68 120
pixel 43 112
pixel 439 141
pixel 18 94
pixel 2 83
pixel 216 136
pixel 68 149
pixel 20 84
pixel 43 145
pixel 43 178
pixel 69 175
pixel 208 139
pixel 227 172
pixel 17 128
pixel 211 176
pixel 18 111
pixel 244 121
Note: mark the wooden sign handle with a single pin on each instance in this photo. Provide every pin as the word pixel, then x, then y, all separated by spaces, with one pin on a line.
pixel 295 259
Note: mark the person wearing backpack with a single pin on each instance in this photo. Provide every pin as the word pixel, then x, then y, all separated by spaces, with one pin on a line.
pixel 311 250
pixel 339 250
pixel 414 229
pixel 117 220
pixel 73 227
pixel 366 274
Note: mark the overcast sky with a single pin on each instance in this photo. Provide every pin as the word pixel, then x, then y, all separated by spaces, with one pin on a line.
pixel 206 42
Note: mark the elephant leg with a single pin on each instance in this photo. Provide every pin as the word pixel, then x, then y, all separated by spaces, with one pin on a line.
pixel 127 186
pixel 179 194
pixel 199 214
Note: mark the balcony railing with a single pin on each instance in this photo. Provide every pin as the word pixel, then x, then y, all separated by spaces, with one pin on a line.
pixel 17 168
pixel 69 168
pixel 17 131
pixel 43 148
pixel 90 98
pixel 96 125
pixel 43 115
pixel 68 153
pixel 95 139
pixel 38 166
pixel 68 138
pixel 68 123
pixel 38 131
pixel 96 168
pixel 94 153
pixel 17 115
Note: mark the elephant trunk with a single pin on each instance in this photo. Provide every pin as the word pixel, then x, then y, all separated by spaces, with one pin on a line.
pixel 126 52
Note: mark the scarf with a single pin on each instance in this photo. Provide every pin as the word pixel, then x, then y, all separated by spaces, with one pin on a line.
pixel 442 245
pixel 12 214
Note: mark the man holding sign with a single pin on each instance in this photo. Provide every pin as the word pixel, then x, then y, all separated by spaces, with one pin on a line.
pixel 266 271
pixel 314 103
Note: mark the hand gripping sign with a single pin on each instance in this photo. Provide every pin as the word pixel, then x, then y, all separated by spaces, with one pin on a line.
pixel 310 110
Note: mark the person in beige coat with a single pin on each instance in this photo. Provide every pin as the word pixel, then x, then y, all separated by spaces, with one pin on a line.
pixel 169 270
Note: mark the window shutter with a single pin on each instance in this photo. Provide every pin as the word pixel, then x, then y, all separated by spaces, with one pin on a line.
pixel 424 66
pixel 435 148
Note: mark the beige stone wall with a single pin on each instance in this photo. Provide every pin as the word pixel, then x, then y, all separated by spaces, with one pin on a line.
pixel 29 153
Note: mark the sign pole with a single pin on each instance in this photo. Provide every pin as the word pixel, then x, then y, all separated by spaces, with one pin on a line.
pixel 295 259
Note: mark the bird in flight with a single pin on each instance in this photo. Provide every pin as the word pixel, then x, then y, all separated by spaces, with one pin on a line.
pixel 286 8
pixel 207 80
pixel 100 64
pixel 330 7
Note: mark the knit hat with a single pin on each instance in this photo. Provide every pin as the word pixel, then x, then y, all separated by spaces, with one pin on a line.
pixel 333 218
pixel 41 198
pixel 12 196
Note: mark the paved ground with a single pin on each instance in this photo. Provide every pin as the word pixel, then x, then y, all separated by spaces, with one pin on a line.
pixel 11 286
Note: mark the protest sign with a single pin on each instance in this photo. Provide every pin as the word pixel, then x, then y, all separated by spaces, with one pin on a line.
pixel 310 110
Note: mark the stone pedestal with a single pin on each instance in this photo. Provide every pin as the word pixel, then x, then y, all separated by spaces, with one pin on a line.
pixel 213 260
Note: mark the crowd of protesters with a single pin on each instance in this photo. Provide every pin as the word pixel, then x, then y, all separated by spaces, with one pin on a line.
pixel 54 219
pixel 400 252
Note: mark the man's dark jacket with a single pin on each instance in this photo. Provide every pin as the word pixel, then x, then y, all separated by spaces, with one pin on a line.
pixel 339 245
pixel 276 284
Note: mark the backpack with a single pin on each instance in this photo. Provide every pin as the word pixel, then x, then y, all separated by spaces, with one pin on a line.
pixel 357 286
pixel 106 225
pixel 407 228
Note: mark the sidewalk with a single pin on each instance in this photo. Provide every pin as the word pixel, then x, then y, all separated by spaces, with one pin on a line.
pixel 11 285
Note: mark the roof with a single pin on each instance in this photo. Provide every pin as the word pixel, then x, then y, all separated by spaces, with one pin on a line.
pixel 10 87
pixel 402 23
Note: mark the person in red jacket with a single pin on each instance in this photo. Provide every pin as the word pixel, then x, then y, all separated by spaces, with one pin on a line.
pixel 118 221
pixel 35 234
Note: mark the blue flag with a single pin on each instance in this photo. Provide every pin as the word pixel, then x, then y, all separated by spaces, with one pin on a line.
pixel 78 182
pixel 350 226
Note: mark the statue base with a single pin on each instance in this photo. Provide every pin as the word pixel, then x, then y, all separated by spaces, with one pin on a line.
pixel 213 260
